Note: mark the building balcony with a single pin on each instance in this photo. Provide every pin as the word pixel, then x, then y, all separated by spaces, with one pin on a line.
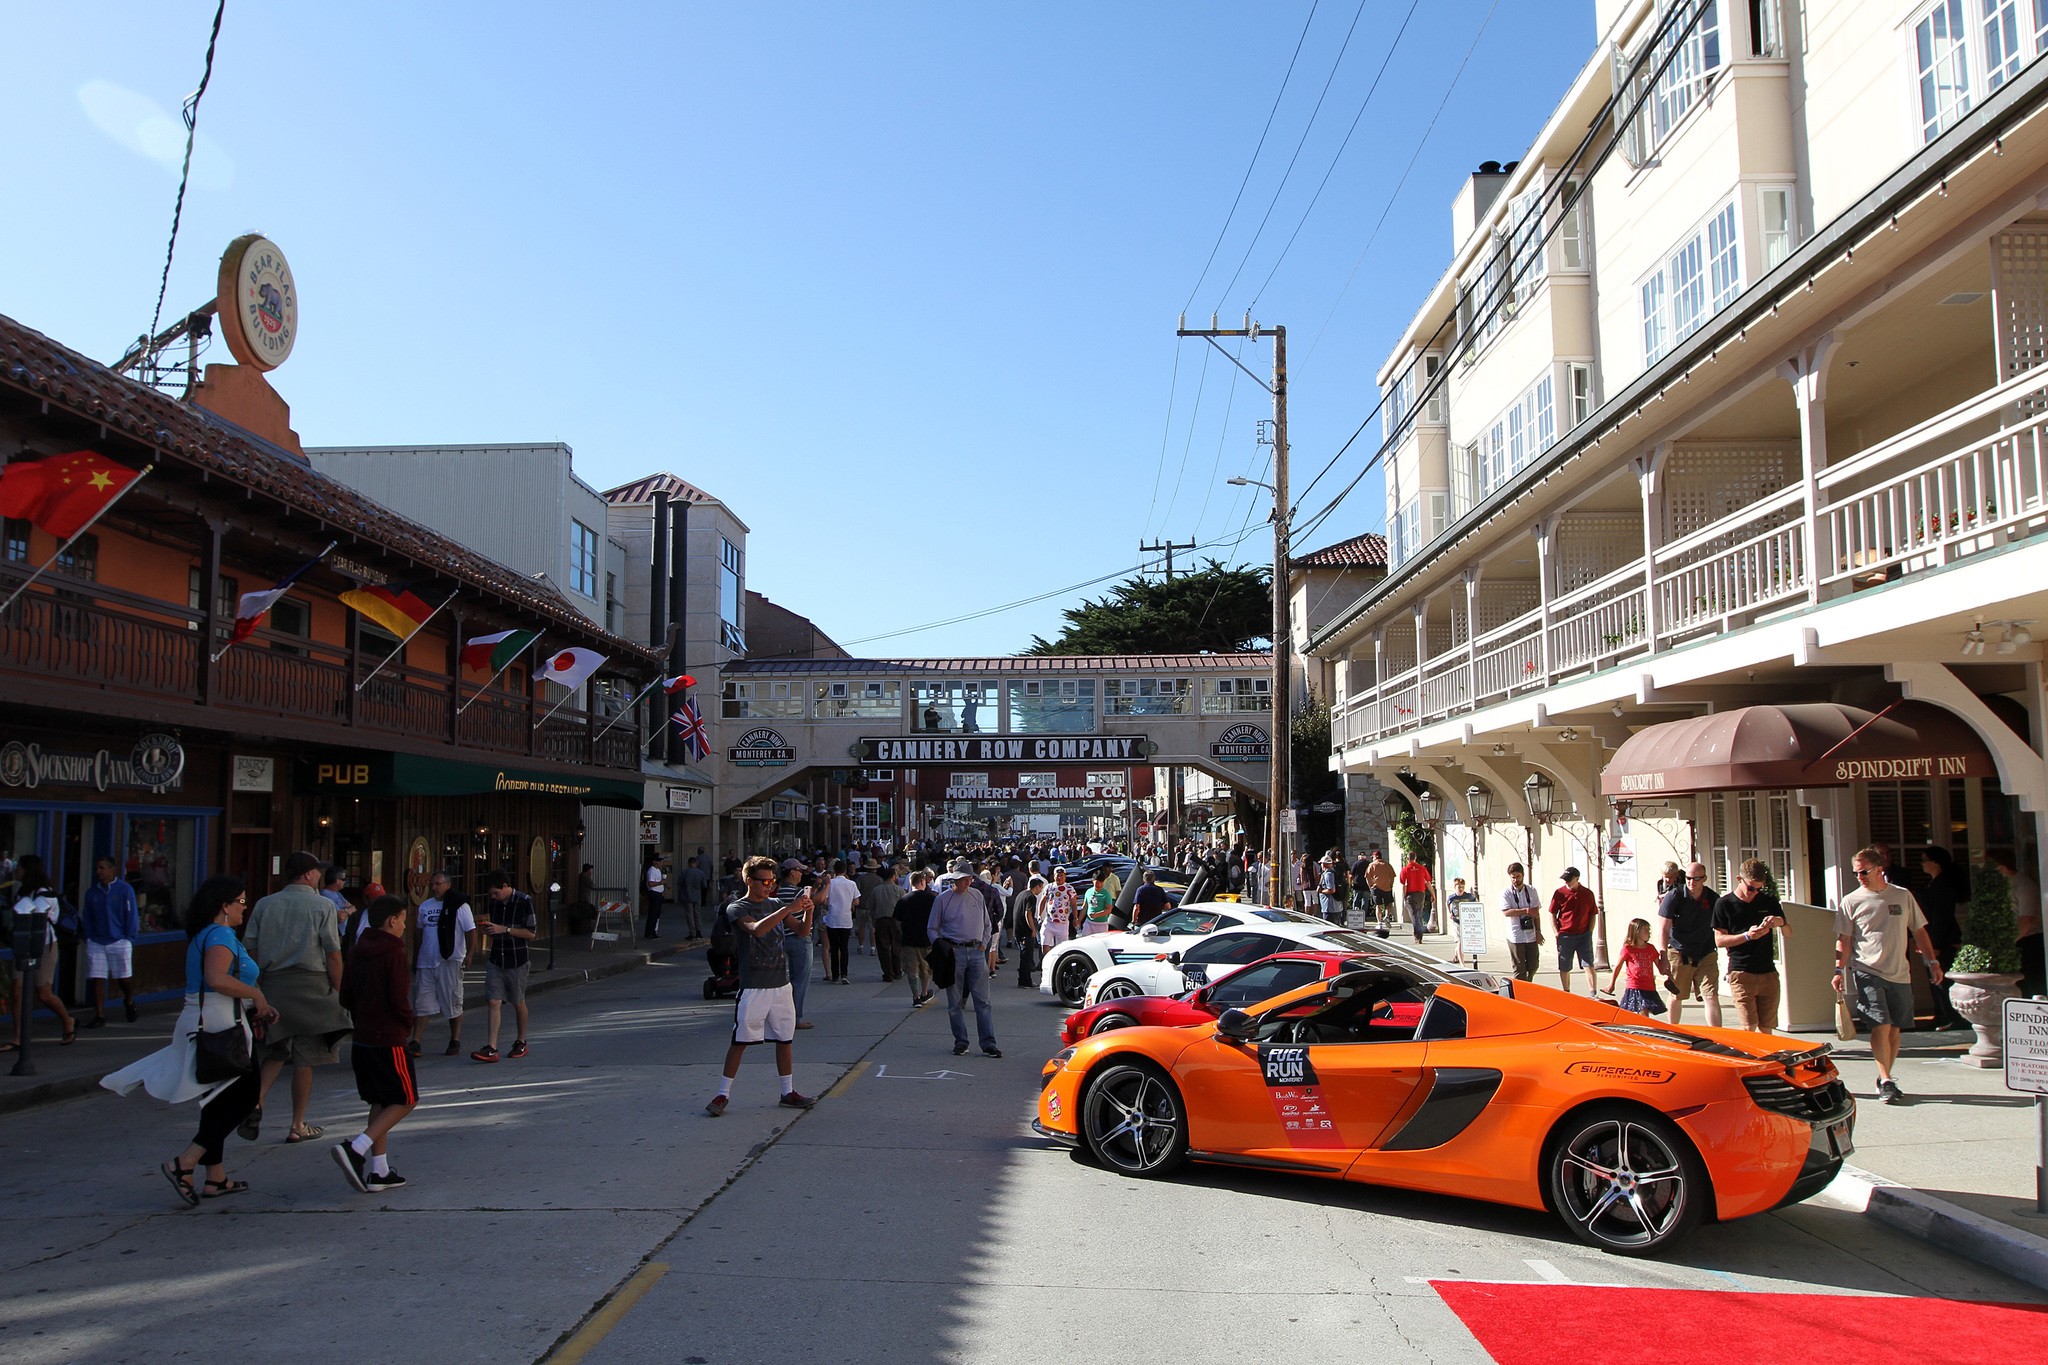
pixel 1964 482
pixel 98 650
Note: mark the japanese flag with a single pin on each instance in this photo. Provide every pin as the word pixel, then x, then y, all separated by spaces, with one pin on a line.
pixel 570 667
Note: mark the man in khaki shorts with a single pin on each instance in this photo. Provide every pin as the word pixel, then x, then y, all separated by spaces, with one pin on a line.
pixel 1743 924
pixel 1685 932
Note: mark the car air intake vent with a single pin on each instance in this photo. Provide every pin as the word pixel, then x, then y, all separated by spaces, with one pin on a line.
pixel 1780 1096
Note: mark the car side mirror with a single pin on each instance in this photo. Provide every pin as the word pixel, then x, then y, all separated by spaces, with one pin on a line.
pixel 1238 1026
pixel 1174 958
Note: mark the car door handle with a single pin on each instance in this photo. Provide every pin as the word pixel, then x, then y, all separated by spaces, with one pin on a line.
pixel 1577 1047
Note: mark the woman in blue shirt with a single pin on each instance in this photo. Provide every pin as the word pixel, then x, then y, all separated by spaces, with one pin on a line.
pixel 218 972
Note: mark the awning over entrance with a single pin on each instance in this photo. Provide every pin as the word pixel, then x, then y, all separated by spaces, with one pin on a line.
pixel 1816 744
pixel 387 774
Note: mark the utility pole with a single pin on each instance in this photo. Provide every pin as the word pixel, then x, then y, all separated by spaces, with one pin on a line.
pixel 1169 547
pixel 1282 790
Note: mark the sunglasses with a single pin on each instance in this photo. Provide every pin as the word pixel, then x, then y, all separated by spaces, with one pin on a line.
pixel 770 877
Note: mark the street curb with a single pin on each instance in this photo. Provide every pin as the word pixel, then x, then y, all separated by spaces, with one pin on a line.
pixel 72 1087
pixel 2012 1251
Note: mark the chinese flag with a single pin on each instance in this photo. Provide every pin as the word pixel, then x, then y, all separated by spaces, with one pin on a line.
pixel 63 493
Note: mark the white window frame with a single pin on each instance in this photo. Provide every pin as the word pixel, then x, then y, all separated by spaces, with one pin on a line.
pixel 1579 398
pixel 1572 237
pixel 583 560
pixel 1699 276
pixel 1652 115
pixel 1949 73
pixel 1776 243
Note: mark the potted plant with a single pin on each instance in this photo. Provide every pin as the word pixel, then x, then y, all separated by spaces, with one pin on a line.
pixel 1986 970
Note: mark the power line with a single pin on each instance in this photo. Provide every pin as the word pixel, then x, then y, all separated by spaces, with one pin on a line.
pixel 1339 155
pixel 1201 384
pixel 1400 184
pixel 189 111
pixel 1165 434
pixel 1228 217
pixel 1571 184
pixel 1306 129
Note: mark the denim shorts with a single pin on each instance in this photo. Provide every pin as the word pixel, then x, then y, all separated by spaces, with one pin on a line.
pixel 1571 946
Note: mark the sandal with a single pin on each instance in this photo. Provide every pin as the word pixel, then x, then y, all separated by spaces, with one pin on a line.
pixel 70 1036
pixel 252 1125
pixel 304 1134
pixel 216 1188
pixel 181 1181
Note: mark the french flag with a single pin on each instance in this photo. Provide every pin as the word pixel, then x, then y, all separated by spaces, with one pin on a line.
pixel 249 610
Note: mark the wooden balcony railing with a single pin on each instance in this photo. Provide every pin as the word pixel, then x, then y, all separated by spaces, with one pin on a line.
pixel 106 640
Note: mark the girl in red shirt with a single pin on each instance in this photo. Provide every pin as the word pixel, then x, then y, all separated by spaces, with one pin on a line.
pixel 1640 961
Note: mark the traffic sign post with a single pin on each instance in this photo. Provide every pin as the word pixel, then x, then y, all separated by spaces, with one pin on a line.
pixel 1472 932
pixel 2026 1069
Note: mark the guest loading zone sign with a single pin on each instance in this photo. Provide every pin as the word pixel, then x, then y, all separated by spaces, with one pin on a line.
pixel 762 748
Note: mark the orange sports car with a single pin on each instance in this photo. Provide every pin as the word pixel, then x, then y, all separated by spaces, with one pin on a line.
pixel 1630 1131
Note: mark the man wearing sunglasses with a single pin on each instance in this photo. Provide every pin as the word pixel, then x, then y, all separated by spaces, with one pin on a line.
pixel 1685 933
pixel 765 1011
pixel 1873 926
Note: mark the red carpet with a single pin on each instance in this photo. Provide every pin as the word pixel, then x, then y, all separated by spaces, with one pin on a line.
pixel 1542 1324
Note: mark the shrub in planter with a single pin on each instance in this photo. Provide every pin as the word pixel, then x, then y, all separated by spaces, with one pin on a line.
pixel 1990 939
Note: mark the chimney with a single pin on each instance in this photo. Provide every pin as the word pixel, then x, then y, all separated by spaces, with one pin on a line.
pixel 1481 188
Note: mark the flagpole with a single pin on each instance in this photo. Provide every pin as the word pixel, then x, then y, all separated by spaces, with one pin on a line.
pixel 556 707
pixel 59 554
pixel 631 702
pixel 402 644
pixel 493 678
pixel 216 658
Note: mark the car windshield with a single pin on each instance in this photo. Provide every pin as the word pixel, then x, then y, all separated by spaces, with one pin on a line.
pixel 1360 1007
pixel 1190 922
pixel 1289 917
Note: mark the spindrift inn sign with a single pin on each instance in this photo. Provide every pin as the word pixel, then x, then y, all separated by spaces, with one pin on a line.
pixel 1007 749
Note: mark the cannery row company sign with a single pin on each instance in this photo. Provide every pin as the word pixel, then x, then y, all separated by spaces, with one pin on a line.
pixel 157 764
pixel 762 748
pixel 1243 744
pixel 1006 749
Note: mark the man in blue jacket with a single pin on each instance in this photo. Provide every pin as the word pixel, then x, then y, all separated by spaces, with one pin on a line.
pixel 111 924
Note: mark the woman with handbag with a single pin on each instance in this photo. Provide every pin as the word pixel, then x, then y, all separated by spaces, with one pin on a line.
pixel 36 895
pixel 209 1058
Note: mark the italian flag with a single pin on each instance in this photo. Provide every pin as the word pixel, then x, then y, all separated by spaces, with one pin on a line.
pixel 494 653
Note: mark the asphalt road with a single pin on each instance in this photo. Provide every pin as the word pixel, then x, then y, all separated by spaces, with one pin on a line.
pixel 579 1204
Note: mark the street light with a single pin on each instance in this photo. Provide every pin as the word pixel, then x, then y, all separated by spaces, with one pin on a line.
pixel 1432 803
pixel 1541 793
pixel 1480 801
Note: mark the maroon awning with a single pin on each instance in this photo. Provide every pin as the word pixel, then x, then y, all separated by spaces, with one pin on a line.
pixel 1771 747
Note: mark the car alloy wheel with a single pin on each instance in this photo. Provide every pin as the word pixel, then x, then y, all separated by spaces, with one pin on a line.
pixel 1111 1021
pixel 1070 978
pixel 1131 1117
pixel 1626 1180
pixel 1119 989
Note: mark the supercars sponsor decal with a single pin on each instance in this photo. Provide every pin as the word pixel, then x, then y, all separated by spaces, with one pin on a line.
pixel 1290 1076
pixel 1613 1071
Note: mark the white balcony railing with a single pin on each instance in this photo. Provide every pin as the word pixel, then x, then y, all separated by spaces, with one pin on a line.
pixel 1966 481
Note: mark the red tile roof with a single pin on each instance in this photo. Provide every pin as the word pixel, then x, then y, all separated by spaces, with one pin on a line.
pixel 1366 551
pixel 31 362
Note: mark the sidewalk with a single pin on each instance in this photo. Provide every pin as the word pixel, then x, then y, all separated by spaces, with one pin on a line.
pixel 1954 1164
pixel 64 1072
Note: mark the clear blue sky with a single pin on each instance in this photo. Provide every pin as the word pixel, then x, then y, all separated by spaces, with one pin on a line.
pixel 898 282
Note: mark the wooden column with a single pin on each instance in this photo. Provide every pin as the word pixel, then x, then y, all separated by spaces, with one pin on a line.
pixel 454 677
pixel 209 612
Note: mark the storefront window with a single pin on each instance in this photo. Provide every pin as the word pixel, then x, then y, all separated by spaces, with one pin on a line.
pixel 1751 824
pixel 953 708
pixel 159 866
pixel 1148 696
pixel 1054 706
pixel 17 840
pixel 846 700
pixel 764 701
pixel 1228 696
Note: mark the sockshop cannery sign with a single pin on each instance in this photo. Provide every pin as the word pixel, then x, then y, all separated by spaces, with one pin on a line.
pixel 157 764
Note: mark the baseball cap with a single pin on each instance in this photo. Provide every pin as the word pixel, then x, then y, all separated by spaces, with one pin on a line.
pixel 1571 874
pixel 788 863
pixel 960 867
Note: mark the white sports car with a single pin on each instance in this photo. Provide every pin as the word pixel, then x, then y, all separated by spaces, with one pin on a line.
pixel 1230 934
pixel 1223 954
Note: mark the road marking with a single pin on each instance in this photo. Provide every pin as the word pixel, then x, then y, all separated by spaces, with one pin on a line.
pixel 844 1083
pixel 604 1319
pixel 1548 1273
pixel 883 1070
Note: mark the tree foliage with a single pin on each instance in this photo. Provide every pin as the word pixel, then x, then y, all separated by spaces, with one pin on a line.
pixel 1213 610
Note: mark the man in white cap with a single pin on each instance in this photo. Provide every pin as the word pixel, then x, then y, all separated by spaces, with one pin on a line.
pixel 960 924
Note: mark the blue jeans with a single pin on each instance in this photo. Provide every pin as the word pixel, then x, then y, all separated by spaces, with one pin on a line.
pixel 970 973
pixel 798 950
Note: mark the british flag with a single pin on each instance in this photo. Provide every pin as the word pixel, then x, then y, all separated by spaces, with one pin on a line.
pixel 691 725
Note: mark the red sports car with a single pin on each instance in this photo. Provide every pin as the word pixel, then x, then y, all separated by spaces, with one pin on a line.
pixel 1261 980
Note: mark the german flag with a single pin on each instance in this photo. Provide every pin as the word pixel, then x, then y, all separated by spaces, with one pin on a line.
pixel 393 606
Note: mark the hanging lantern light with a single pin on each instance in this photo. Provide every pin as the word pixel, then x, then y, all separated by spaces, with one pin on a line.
pixel 1542 795
pixel 1432 803
pixel 1479 800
